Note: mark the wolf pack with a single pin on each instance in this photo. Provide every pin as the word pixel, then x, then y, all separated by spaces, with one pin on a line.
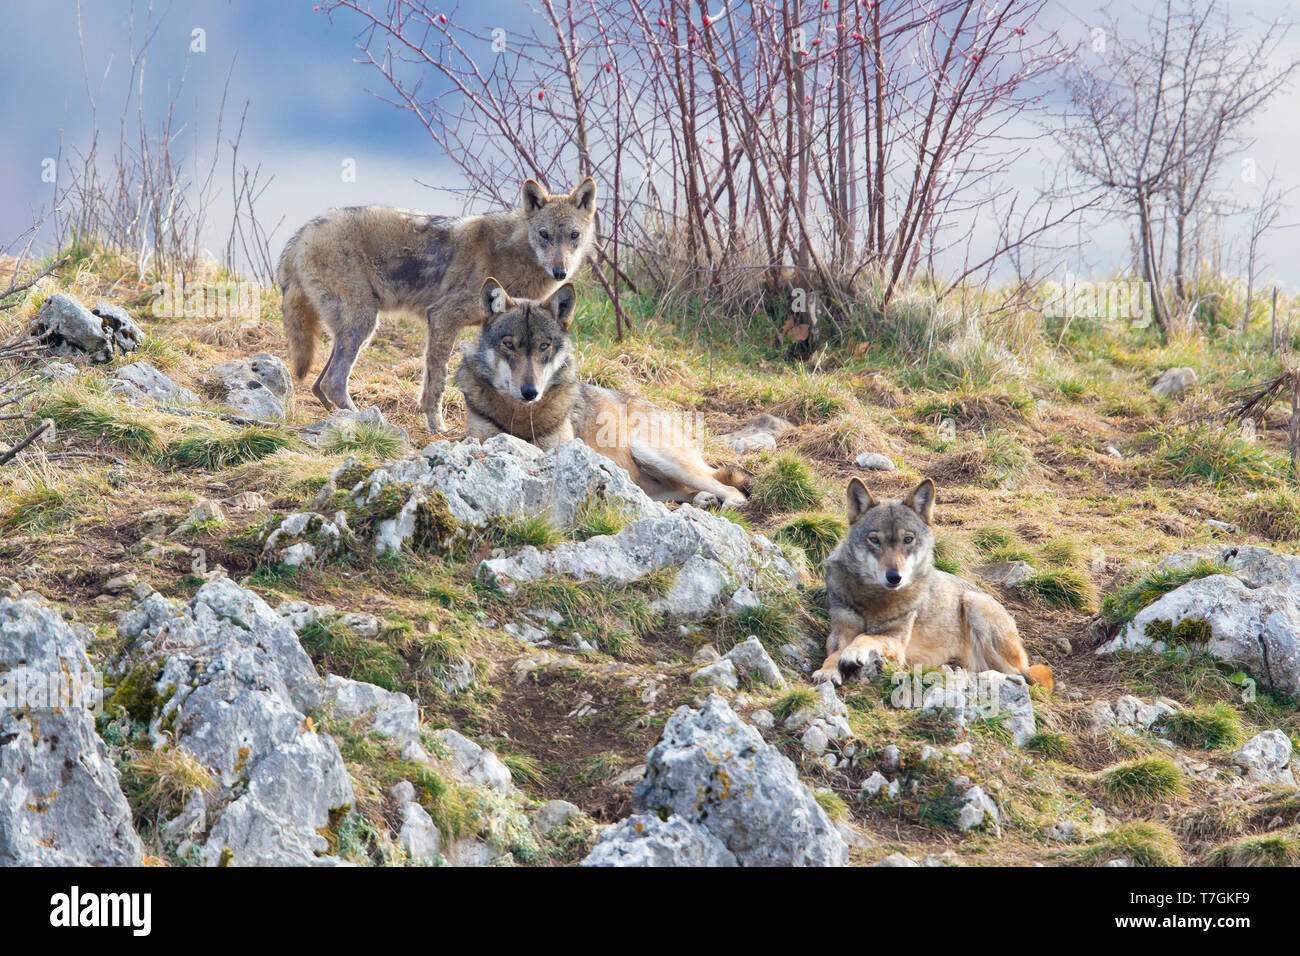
pixel 511 274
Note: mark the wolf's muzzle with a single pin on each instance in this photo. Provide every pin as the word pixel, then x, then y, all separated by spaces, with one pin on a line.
pixel 892 578
pixel 528 393
pixel 558 273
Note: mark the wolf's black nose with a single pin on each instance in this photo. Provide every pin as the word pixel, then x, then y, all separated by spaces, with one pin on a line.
pixel 558 273
pixel 529 392
pixel 892 578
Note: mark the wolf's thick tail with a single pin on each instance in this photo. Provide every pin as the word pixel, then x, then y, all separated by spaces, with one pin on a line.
pixel 302 327
pixel 1041 674
pixel 735 476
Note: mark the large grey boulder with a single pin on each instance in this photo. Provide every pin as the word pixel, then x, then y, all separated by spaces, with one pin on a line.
pixel 237 686
pixel 258 387
pixel 713 556
pixel 389 714
pixel 713 770
pixel 453 487
pixel 472 763
pixel 1249 616
pixel 1174 381
pixel 140 382
pixel 1265 756
pixel 61 801
pixel 72 329
pixel 504 478
pixel 758 434
pixel 646 840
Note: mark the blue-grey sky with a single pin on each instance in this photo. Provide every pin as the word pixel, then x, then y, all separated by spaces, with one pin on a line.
pixel 311 109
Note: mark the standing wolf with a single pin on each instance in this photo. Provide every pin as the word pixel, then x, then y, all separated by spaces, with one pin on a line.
pixel 885 594
pixel 521 377
pixel 343 268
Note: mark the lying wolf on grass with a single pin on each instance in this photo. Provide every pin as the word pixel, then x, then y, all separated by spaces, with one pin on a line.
pixel 521 377
pixel 886 595
pixel 343 268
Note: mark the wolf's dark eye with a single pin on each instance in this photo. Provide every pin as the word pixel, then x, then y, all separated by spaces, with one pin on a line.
pixel 508 344
pixel 573 235
pixel 873 539
pixel 544 347
pixel 544 234
pixel 908 539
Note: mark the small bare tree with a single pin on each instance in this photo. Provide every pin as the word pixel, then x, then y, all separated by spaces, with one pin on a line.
pixel 1155 112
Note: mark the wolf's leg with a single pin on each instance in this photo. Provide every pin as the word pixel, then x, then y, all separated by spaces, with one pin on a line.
pixel 443 325
pixel 687 469
pixel 352 331
pixel 845 623
pixel 853 657
pixel 992 640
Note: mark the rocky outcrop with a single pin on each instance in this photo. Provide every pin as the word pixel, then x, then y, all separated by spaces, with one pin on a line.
pixel 259 387
pixel 72 329
pixel 61 801
pixel 233 689
pixel 714 557
pixel 646 840
pixel 715 772
pixel 1249 616
pixel 141 382
pixel 451 488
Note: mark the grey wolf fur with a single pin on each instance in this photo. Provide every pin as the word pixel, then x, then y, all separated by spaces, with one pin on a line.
pixel 521 377
pixel 343 268
pixel 885 594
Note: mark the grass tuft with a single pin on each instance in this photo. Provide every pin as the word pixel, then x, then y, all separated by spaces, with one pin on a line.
pixel 784 484
pixel 817 534
pixel 1214 727
pixel 1144 781
pixel 1143 842
pixel 1150 585
pixel 213 450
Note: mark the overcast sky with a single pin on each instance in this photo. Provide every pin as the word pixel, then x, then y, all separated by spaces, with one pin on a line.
pixel 311 109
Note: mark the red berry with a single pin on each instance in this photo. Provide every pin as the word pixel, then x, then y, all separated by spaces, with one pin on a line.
pixel 663 22
pixel 442 18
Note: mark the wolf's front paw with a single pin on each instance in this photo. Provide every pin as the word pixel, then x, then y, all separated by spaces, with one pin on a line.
pixel 863 661
pixel 829 673
pixel 705 500
pixel 436 422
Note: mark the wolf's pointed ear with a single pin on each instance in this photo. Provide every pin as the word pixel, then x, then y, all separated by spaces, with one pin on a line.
pixel 584 197
pixel 494 297
pixel 561 304
pixel 535 196
pixel 860 500
pixel 921 500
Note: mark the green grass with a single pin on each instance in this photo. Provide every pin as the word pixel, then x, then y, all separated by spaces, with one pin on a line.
pixel 1213 727
pixel 1274 849
pixel 1143 781
pixel 799 699
pixel 1005 459
pixel 613 617
pixel 534 530
pixel 600 516
pixel 1050 744
pixel 212 450
pixel 365 440
pixel 1143 842
pixel 1150 585
pixel 833 805
pixel 817 534
pixel 1062 587
pixel 1217 456
pixel 44 504
pixel 784 484
pixel 338 649
pixel 88 411
pixel 1271 514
